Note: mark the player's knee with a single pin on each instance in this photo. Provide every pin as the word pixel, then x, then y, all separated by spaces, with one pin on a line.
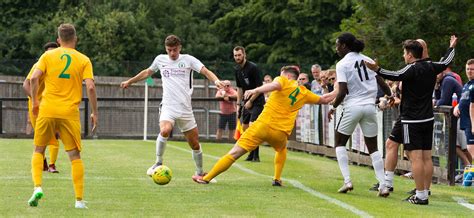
pixel 391 145
pixel 40 149
pixel 74 154
pixel 165 132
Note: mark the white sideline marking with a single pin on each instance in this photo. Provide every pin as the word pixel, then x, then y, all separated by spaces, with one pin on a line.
pixel 295 183
pixel 463 202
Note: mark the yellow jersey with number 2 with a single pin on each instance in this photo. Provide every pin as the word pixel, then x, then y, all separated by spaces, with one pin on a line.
pixel 282 106
pixel 63 69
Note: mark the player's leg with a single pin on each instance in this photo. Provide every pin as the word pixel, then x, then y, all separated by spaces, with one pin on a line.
pixel 70 131
pixel 346 124
pixel 278 141
pixel 222 165
pixel 255 112
pixel 192 136
pixel 166 126
pixel 251 138
pixel 245 121
pixel 391 153
pixel 368 124
pixel 44 132
pixel 36 173
pixel 53 154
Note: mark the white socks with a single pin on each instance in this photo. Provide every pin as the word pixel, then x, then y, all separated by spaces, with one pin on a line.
pixel 343 161
pixel 377 163
pixel 389 178
pixel 423 194
pixel 160 148
pixel 197 156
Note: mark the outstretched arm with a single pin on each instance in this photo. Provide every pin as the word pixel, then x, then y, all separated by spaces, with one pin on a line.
pixel 385 88
pixel 212 77
pixel 262 89
pixel 139 77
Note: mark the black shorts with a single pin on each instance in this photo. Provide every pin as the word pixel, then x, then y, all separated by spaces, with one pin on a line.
pixel 413 136
pixel 228 119
pixel 251 114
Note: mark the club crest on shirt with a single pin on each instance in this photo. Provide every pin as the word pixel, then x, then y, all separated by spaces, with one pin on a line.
pixel 166 73
pixel 181 65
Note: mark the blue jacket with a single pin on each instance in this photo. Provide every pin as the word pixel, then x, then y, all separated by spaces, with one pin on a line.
pixel 449 85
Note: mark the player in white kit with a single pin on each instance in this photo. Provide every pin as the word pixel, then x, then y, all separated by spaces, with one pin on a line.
pixel 357 92
pixel 177 76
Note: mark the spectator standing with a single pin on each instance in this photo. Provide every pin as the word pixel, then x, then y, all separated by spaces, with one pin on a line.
pixel 267 79
pixel 316 83
pixel 227 116
pixel 464 112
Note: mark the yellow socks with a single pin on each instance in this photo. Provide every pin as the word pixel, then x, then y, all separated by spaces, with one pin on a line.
pixel 222 165
pixel 53 153
pixel 37 168
pixel 279 162
pixel 77 171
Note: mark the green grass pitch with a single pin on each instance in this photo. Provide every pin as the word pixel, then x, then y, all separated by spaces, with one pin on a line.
pixel 116 186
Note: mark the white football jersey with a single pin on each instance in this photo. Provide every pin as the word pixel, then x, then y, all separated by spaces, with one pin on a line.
pixel 177 78
pixel 361 82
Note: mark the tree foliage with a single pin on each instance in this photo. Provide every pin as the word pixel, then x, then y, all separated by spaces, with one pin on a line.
pixel 284 31
pixel 384 25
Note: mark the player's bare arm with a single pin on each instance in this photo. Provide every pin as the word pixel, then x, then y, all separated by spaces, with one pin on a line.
pixel 383 85
pixel 372 66
pixel 139 77
pixel 471 114
pixel 341 94
pixel 212 77
pixel 27 87
pixel 262 89
pixel 34 84
pixel 92 95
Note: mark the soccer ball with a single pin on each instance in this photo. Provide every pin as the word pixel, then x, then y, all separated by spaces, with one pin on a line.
pixel 162 175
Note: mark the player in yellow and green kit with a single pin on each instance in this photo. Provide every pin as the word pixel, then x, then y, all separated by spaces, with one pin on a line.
pixel 274 124
pixel 54 144
pixel 63 70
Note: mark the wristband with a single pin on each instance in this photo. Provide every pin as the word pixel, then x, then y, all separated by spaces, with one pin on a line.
pixel 217 81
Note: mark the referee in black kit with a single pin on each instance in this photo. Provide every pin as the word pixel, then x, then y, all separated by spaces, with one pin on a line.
pixel 247 76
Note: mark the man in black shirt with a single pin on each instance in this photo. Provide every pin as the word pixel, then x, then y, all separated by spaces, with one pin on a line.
pixel 247 76
pixel 416 110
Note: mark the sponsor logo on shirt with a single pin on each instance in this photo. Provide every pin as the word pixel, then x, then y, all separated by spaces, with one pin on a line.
pixel 174 73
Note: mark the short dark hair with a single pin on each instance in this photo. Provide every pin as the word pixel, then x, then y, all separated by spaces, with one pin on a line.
pixel 66 32
pixel 291 69
pixel 239 48
pixel 49 45
pixel 352 43
pixel 470 61
pixel 172 40
pixel 414 47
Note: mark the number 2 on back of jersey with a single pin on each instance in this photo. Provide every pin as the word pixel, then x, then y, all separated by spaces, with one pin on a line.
pixel 64 75
pixel 358 65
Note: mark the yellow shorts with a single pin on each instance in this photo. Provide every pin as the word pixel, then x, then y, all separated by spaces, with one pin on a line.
pixel 260 132
pixel 54 141
pixel 69 130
